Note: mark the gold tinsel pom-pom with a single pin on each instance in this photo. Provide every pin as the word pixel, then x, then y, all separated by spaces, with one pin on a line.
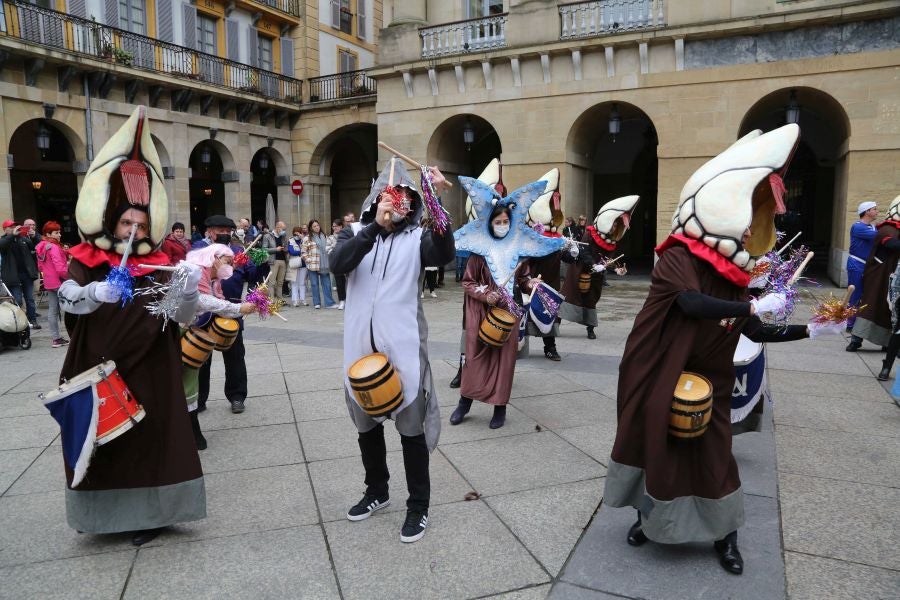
pixel 834 310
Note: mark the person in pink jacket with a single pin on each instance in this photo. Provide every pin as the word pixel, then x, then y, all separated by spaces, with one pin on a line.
pixel 53 264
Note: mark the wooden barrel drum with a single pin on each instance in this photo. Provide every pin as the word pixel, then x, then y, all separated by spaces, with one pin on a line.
pixel 691 406
pixel 376 384
pixel 496 327
pixel 584 282
pixel 224 331
pixel 196 346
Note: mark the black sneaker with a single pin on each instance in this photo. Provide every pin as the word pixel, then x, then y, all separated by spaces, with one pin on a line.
pixel 414 526
pixel 365 507
pixel 237 406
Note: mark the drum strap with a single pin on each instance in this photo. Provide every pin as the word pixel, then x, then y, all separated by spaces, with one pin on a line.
pixel 372 336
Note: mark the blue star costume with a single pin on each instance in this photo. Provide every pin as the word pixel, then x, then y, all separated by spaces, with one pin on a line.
pixel 503 255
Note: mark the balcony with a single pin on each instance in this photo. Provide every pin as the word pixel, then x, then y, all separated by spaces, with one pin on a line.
pixel 278 8
pixel 85 38
pixel 352 84
pixel 589 19
pixel 462 37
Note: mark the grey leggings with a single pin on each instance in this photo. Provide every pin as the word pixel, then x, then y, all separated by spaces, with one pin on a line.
pixel 53 314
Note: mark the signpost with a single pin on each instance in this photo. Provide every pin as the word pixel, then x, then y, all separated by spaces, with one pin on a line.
pixel 297 188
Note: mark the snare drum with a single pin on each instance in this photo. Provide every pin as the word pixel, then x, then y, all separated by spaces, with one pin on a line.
pixel 376 385
pixel 691 406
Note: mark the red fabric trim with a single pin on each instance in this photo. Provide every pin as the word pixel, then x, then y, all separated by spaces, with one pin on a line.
pixel 599 240
pixel 725 267
pixel 92 256
pixel 890 222
pixel 551 234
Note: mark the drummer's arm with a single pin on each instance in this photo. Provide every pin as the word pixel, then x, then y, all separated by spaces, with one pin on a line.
pixel 759 332
pixel 436 248
pixel 77 299
pixel 701 306
pixel 350 248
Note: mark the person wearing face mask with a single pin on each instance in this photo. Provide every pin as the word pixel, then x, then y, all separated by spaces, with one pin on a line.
pixel 340 282
pixel 215 262
pixel 296 272
pixel 218 230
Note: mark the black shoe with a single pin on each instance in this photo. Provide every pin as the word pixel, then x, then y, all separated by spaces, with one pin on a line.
pixel 636 536
pixel 237 406
pixel 729 556
pixel 365 507
pixel 591 334
pixel 456 381
pixel 552 354
pixel 35 325
pixel 200 441
pixel 201 406
pixel 499 417
pixel 147 535
pixel 853 346
pixel 462 409
pixel 885 373
pixel 414 526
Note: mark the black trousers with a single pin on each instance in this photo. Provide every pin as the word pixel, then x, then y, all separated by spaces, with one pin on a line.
pixel 430 281
pixel 235 373
pixel 340 282
pixel 415 462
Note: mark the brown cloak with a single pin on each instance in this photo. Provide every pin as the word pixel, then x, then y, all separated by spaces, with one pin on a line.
pixel 581 307
pixel 873 322
pixel 150 476
pixel 487 373
pixel 686 490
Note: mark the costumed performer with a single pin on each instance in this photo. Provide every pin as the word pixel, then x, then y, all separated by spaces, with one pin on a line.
pixel 862 234
pixel 149 477
pixel 689 490
pixel 599 243
pixel 383 259
pixel 215 262
pixel 873 321
pixel 499 239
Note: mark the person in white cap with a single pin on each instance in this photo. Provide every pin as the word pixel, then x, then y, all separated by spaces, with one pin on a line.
pixel 861 235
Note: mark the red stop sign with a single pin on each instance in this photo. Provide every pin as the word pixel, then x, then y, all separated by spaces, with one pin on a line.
pixel 297 187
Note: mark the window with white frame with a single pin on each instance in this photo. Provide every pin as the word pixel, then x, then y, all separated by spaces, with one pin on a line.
pixel 133 16
pixel 482 8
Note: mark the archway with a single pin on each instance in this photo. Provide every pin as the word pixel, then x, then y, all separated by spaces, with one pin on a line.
pixel 42 181
pixel 612 147
pixel 262 183
pixel 346 161
pixel 207 192
pixel 463 145
pixel 816 176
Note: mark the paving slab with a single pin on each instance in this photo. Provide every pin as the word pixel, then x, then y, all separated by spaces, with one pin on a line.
pixel 97 577
pixel 37 382
pixel 785 384
pixel 521 462
pixel 549 520
pixel 467 552
pixel 755 454
pixel 604 561
pixel 301 382
pixel 568 409
pixel 13 463
pixel 594 440
pixel 337 438
pixel 841 520
pixel 257 385
pixel 22 404
pixel 46 474
pixel 851 414
pixel 475 425
pixel 34 431
pixel 538 592
pixel 251 448
pixel 817 578
pixel 319 405
pixel 261 410
pixel 288 563
pixel 339 484
pixel 567 591
pixel 541 383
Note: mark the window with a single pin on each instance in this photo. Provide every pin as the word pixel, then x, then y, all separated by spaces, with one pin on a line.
pixel 132 16
pixel 347 63
pixel 264 53
pixel 346 23
pixel 483 8
pixel 206 34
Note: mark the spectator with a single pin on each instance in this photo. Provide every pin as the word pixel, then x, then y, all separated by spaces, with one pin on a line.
pixel 250 230
pixel 176 246
pixel 275 243
pixel 19 268
pixel 296 272
pixel 349 219
pixel 314 252
pixel 340 281
pixel 196 236
pixel 51 260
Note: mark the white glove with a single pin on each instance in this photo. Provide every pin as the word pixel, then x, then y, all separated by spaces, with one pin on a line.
pixel 598 268
pixel 104 292
pixel 829 328
pixel 770 303
pixel 194 273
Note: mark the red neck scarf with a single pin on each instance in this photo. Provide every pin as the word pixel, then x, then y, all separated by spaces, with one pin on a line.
pixel 551 234
pixel 599 240
pixel 890 222
pixel 722 265
pixel 91 256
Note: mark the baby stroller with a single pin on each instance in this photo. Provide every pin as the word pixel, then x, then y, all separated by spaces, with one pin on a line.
pixel 14 329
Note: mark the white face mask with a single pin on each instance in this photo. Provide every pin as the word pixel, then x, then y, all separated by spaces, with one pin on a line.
pixel 224 272
pixel 396 218
pixel 501 230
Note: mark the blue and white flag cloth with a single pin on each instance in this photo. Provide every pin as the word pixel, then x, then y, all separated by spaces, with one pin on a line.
pixel 543 306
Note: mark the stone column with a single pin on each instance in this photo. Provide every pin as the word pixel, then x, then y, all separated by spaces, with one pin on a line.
pixel 409 11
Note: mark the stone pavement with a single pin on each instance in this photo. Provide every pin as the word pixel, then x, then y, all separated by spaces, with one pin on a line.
pixel 281 476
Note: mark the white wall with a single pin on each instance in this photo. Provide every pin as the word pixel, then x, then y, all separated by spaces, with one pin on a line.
pixel 328 45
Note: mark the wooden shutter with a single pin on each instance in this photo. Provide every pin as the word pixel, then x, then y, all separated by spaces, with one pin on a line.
pixel 287 57
pixel 361 19
pixel 336 14
pixel 232 39
pixel 252 46
pixel 165 24
pixel 77 8
pixel 111 12
pixel 189 20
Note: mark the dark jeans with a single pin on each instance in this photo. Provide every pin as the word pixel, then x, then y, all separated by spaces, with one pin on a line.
pixel 461 266
pixel 430 281
pixel 25 291
pixel 235 373
pixel 415 462
pixel 340 281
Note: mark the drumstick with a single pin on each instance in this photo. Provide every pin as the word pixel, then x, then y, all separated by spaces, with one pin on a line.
pixel 387 216
pixel 128 247
pixel 157 267
pixel 785 247
pixel 406 159
pixel 850 289
pixel 253 243
pixel 609 262
pixel 799 270
pixel 279 316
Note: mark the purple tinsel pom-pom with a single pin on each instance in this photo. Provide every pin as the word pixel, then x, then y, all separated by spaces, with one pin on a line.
pixel 439 216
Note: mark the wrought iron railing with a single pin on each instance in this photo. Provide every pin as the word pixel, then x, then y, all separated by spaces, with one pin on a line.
pixel 460 37
pixel 85 37
pixel 290 7
pixel 586 19
pixel 341 85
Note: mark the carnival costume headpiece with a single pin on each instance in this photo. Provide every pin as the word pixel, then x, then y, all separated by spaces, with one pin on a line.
pixel 401 179
pixel 491 177
pixel 613 220
pixel 126 173
pixel 546 209
pixel 739 188
pixel 503 255
pixel 893 213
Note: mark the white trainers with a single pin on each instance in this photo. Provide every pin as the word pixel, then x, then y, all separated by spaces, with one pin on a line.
pixel 318 306
pixel 434 294
pixel 422 295
pixel 341 305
